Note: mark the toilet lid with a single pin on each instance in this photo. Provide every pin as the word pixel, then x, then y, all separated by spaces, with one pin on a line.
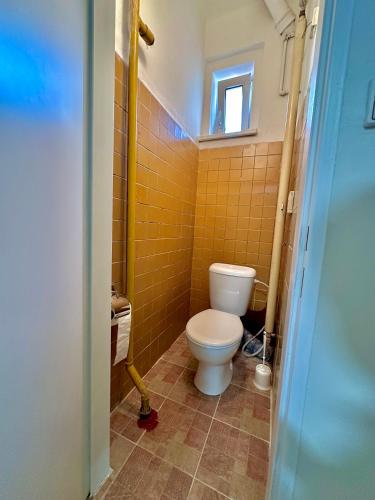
pixel 215 328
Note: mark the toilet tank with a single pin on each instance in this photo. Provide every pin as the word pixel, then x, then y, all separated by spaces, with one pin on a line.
pixel 230 287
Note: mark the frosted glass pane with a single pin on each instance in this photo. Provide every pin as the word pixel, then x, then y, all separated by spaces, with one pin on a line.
pixel 233 109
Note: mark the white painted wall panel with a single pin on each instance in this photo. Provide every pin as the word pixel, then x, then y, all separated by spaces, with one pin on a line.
pixel 43 419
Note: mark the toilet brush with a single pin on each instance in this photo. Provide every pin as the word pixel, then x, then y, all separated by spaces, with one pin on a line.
pixel 262 379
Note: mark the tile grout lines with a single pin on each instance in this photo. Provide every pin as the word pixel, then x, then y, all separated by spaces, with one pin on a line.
pixel 213 417
pixel 192 370
pixel 137 443
pixel 193 477
pixel 232 383
pixel 212 488
pixel 181 470
pixel 204 445
pixel 168 396
pixel 148 371
pixel 112 477
pixel 165 397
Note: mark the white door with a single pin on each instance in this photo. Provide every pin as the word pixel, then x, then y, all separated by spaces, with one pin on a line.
pixel 43 384
pixel 327 390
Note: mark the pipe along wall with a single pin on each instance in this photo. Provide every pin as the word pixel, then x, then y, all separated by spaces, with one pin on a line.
pixel 164 223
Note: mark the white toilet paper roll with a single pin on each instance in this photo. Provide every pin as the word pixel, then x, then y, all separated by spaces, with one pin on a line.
pixel 123 333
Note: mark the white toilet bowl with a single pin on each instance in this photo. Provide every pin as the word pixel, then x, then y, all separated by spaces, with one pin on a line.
pixel 214 337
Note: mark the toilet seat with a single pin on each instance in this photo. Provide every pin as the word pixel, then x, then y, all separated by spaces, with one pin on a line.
pixel 216 329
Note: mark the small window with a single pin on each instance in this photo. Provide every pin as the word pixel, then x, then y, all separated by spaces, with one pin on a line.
pixel 233 105
pixel 233 100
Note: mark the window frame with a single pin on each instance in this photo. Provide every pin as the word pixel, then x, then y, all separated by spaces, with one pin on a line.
pixel 244 81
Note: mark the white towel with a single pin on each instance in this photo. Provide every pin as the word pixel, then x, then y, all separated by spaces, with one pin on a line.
pixel 123 337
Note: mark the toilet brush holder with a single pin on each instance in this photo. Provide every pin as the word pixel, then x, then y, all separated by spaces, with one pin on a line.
pixel 262 379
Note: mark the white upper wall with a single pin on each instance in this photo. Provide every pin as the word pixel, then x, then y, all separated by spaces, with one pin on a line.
pixel 188 37
pixel 173 67
pixel 209 8
pixel 242 28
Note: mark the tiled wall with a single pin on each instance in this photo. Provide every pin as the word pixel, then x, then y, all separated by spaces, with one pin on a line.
pixel 286 261
pixel 295 184
pixel 235 213
pixel 119 175
pixel 166 191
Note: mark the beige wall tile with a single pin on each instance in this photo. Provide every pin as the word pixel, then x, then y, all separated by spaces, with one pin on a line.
pixel 239 202
pixel 261 148
pixel 193 208
pixel 287 253
pixel 166 198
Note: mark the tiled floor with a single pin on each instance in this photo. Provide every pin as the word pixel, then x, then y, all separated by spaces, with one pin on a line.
pixel 204 448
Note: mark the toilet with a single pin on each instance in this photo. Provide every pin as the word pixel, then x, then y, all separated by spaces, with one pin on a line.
pixel 214 335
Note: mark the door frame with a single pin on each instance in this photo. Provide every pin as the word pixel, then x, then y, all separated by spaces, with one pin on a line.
pixel 318 164
pixel 100 78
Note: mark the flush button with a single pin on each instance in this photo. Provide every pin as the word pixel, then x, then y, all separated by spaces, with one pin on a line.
pixel 370 110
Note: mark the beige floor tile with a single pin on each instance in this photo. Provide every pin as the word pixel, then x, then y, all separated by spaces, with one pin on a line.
pixel 234 463
pixel 180 436
pixel 147 477
pixel 162 377
pixel 179 353
pixel 184 391
pixel 200 491
pixel 245 410
pixel 119 451
pixel 124 418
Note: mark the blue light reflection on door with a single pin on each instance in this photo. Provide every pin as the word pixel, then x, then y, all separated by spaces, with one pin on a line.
pixel 29 72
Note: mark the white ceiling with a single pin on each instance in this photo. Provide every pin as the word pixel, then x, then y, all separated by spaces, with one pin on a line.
pixel 213 8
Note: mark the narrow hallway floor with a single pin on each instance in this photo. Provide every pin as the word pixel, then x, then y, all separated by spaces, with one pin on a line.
pixel 204 448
